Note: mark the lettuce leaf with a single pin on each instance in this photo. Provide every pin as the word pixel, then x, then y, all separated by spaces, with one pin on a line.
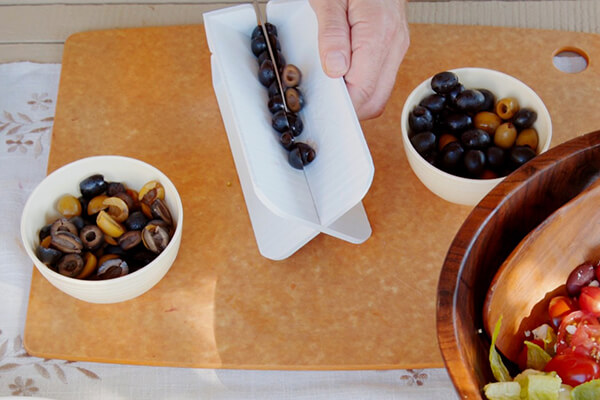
pixel 498 368
pixel 537 358
pixel 587 391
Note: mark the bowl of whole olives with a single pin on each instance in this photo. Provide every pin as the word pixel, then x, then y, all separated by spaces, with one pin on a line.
pixel 103 229
pixel 466 129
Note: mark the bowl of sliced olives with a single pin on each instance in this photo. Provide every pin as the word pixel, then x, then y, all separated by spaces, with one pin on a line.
pixel 103 229
pixel 466 129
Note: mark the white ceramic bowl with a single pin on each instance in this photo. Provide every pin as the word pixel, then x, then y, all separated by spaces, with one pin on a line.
pixel 40 210
pixel 464 190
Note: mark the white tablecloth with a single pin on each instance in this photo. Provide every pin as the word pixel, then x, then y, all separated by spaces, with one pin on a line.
pixel 27 102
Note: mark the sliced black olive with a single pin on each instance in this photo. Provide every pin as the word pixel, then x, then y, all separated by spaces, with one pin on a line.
pixel 420 119
pixel 160 210
pixel 291 75
pixel 155 237
pixel 48 256
pixel 78 221
pixel 273 89
pixel 130 239
pixel 275 104
pixel 112 268
pixel 280 121
pixel 127 199
pixel 258 44
pixel 266 73
pixel 63 224
pixel 136 221
pixel 295 124
pixel 287 140
pixel 92 186
pixel 294 99
pixel 92 237
pixel 443 82
pixel 279 59
pixel 301 155
pixel 66 242
pixel 70 265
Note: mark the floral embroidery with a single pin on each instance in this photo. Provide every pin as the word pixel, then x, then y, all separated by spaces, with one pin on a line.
pixel 20 388
pixel 414 377
pixel 23 131
pixel 40 101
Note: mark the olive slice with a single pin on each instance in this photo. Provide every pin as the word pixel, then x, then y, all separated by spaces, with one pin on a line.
pixel 66 242
pixel 291 75
pixel 70 265
pixel 92 237
pixel 112 268
pixel 155 237
pixel 294 99
pixel 160 210
pixel 130 239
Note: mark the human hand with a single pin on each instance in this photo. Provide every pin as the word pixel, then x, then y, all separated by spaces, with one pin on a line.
pixel 364 41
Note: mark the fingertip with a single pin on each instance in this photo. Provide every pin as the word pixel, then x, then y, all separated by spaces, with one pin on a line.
pixel 336 64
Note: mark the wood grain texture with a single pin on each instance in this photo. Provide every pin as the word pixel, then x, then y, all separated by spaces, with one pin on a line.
pixel 147 93
pixel 488 236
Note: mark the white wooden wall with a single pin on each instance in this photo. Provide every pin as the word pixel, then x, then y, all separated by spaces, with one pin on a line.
pixel 35 30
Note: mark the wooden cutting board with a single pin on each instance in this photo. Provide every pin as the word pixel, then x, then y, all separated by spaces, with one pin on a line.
pixel 147 93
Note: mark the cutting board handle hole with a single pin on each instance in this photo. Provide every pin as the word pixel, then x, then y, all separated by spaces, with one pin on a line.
pixel 570 60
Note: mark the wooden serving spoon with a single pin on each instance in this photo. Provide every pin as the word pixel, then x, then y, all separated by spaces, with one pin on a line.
pixel 538 268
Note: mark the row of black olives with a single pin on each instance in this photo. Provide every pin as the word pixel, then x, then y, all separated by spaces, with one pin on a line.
pixel 287 123
pixel 107 232
pixel 466 132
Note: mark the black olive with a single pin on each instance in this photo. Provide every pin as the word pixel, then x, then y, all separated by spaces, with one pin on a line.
pixel 453 94
pixel 524 118
pixel 92 237
pixel 279 59
pixel 470 100
pixel 280 121
pixel 113 188
pixel 139 257
pixel 155 237
pixel 258 31
pixel 66 242
pixel 112 249
pixel 275 104
pixel 266 73
pixel 302 154
pixel 44 232
pixel 420 119
pixel 273 89
pixel 92 186
pixel 475 139
pixel 84 205
pixel 291 75
pixel 474 162
pixel 136 221
pixel 130 239
pixel 70 265
pixel 78 221
pixel 48 256
pixel 63 224
pixel 161 211
pixel 490 100
pixel 258 44
pixel 294 99
pixel 296 125
pixel 287 140
pixel 423 142
pixel 495 158
pixel 451 157
pixel 112 268
pixel 443 82
pixel 127 199
pixel 457 122
pixel 519 155
pixel 434 102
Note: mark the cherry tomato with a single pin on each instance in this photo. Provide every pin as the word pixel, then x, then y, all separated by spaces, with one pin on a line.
pixel 569 328
pixel 589 300
pixel 559 307
pixel 574 369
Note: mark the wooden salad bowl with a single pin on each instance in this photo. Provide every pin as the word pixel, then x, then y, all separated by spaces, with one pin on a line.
pixel 491 232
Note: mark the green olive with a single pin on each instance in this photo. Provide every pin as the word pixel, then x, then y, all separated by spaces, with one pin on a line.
pixel 507 107
pixel 528 137
pixel 487 121
pixel 505 135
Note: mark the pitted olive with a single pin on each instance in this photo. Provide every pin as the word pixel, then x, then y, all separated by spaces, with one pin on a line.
pixel 66 242
pixel 69 206
pixel 294 99
pixel 136 221
pixel 130 239
pixel 113 188
pixel 155 237
pixel 116 208
pixel 266 73
pixel 291 75
pixel 70 265
pixel 287 140
pixel 112 268
pixel 92 237
pixel 275 104
pixel 108 225
pixel 300 155
pixel 150 191
pixel 62 224
pixel 258 30
pixel 444 82
pixel 160 210
pixel 92 186
pixel 48 255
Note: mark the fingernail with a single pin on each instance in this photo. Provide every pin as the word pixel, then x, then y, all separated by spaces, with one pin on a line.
pixel 335 63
